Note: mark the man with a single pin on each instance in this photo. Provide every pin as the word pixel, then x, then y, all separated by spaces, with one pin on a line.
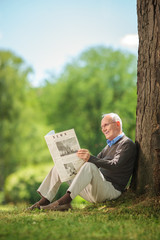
pixel 100 178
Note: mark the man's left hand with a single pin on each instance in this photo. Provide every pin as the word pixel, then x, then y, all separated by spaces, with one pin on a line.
pixel 83 154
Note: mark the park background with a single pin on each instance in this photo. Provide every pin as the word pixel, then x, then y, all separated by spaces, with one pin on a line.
pixel 62 65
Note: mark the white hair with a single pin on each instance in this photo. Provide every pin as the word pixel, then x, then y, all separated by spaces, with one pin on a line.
pixel 114 117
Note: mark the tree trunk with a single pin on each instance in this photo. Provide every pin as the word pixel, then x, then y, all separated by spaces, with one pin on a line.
pixel 148 103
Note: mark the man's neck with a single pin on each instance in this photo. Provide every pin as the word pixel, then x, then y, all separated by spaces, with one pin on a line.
pixel 119 133
pixel 113 141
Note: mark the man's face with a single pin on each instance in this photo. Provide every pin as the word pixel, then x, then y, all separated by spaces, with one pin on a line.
pixel 109 128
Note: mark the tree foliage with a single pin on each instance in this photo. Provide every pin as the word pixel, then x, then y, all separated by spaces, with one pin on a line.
pixel 19 123
pixel 99 81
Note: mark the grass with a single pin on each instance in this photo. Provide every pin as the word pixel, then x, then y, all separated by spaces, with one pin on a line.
pixel 123 219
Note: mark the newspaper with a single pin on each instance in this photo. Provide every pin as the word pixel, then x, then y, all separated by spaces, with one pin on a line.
pixel 63 147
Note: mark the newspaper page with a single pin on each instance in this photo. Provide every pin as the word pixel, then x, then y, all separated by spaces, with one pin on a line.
pixel 63 147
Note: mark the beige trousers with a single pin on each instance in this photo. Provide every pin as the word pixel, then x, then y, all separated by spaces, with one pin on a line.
pixel 89 183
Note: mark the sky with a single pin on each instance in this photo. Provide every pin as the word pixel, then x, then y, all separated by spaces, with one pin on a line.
pixel 47 34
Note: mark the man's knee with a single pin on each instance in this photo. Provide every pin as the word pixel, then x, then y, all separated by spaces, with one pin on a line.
pixel 89 167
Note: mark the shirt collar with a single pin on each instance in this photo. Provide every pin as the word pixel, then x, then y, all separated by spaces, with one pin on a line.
pixel 110 143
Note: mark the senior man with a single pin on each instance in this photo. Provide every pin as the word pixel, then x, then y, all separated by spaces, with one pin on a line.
pixel 100 178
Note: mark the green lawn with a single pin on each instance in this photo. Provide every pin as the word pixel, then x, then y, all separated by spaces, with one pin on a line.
pixel 122 219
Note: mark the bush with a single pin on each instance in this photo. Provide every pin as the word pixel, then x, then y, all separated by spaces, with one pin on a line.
pixel 21 186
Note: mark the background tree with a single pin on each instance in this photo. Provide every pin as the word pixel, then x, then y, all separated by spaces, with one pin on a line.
pixel 21 127
pixel 100 80
pixel 148 106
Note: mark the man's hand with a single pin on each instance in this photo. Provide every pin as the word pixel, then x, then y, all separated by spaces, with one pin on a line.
pixel 83 154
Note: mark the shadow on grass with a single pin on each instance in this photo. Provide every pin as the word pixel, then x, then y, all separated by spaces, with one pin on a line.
pixel 128 202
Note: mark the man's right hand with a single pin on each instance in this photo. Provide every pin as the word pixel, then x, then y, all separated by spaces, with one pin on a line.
pixel 83 154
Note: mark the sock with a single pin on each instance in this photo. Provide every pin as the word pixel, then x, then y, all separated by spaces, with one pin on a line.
pixel 43 201
pixel 65 199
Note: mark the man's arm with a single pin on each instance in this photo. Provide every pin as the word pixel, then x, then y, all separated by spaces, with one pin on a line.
pixel 123 153
pixel 84 154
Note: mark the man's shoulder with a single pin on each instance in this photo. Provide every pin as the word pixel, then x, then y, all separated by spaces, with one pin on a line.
pixel 126 141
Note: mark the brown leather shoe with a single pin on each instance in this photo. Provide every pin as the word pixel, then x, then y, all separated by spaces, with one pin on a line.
pixel 56 207
pixel 42 202
pixel 34 206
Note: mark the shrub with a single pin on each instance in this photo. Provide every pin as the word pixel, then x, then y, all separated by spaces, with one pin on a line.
pixel 21 186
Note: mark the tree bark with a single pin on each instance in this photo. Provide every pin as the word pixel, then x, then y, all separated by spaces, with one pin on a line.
pixel 147 178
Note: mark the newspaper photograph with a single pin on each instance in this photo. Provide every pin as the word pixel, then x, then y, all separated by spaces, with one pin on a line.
pixel 63 147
